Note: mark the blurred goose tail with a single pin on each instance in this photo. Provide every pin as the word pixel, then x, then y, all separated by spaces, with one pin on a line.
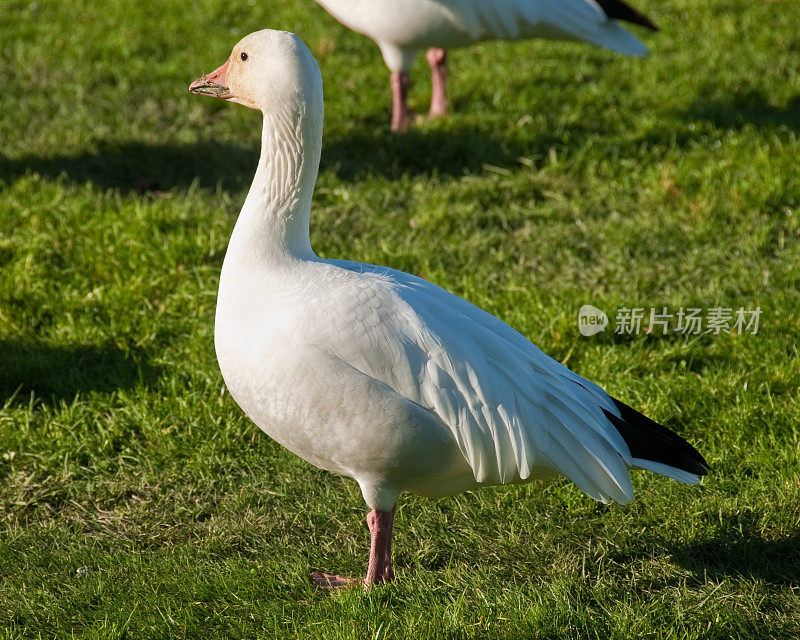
pixel 618 10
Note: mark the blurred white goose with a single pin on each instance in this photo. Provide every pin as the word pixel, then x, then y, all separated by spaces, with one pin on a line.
pixel 379 375
pixel 402 27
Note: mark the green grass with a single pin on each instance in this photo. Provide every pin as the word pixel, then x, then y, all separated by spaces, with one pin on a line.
pixel 136 501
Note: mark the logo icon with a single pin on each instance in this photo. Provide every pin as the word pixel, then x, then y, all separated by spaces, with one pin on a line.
pixel 591 320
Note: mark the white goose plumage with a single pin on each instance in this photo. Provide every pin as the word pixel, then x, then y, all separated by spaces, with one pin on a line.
pixel 401 28
pixel 377 374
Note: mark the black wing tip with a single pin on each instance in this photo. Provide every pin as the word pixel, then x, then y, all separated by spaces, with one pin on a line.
pixel 619 10
pixel 649 440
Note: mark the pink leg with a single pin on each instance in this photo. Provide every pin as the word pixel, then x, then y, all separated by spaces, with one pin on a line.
pixel 331 581
pixel 380 555
pixel 402 116
pixel 437 59
pixel 380 552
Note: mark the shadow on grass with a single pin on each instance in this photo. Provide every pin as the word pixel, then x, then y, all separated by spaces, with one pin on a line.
pixel 748 106
pixel 740 549
pixel 54 373
pixel 445 151
pixel 448 148
pixel 137 167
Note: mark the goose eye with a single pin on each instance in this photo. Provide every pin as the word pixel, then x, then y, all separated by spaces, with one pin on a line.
pixel 243 56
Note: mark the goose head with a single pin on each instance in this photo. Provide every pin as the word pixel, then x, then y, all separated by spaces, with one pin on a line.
pixel 267 70
pixel 275 73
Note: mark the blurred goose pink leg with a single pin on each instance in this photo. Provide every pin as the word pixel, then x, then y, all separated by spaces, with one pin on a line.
pixel 331 581
pixel 380 555
pixel 437 59
pixel 402 116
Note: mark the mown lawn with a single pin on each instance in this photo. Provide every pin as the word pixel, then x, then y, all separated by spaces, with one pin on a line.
pixel 136 501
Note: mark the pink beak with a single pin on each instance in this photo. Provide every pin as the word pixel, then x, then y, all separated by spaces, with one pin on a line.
pixel 213 84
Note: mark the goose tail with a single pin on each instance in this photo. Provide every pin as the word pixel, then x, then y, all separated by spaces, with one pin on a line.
pixel 656 448
pixel 619 10
pixel 612 35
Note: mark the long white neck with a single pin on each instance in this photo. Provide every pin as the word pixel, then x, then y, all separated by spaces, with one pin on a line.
pixel 273 224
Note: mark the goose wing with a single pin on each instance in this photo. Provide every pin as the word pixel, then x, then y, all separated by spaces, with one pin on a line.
pixel 509 406
pixel 584 20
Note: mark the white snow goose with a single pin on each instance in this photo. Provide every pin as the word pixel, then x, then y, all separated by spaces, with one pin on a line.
pixel 379 375
pixel 402 27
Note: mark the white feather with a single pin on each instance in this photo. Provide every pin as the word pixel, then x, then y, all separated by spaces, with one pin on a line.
pixel 665 470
